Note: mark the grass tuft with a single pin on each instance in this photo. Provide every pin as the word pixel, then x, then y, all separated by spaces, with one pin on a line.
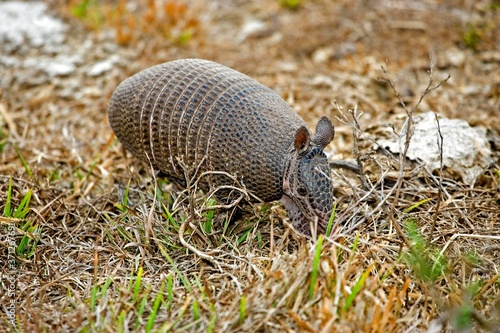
pixel 31 231
pixel 427 263
pixel 471 36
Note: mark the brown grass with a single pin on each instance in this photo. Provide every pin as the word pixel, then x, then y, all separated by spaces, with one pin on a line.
pixel 411 250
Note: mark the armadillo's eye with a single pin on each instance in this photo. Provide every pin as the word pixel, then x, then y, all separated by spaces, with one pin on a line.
pixel 302 191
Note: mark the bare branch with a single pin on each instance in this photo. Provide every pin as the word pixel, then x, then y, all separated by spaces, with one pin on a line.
pixel 439 195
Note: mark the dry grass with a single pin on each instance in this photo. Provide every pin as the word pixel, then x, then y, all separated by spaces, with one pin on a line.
pixel 98 249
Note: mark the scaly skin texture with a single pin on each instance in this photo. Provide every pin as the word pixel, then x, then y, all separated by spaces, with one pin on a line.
pixel 189 116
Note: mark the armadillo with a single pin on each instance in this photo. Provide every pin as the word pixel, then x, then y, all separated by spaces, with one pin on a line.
pixel 209 117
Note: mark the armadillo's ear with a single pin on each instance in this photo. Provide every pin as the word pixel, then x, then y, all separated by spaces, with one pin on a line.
pixel 302 139
pixel 324 132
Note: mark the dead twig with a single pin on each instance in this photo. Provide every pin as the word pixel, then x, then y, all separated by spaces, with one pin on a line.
pixel 439 194
pixel 407 133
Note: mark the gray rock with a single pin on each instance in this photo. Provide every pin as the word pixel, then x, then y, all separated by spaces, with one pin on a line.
pixel 466 150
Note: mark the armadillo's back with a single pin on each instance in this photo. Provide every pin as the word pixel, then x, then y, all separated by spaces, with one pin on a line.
pixel 202 113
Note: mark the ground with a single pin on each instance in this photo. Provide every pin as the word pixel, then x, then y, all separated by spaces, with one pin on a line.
pixel 90 238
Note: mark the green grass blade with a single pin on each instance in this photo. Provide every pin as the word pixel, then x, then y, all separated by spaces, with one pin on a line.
pixel 416 205
pixel 224 229
pixel 23 244
pixel 121 321
pixel 23 161
pixel 23 208
pixel 125 196
pixel 196 311
pixel 170 291
pixel 243 309
pixel 140 311
pixel 315 268
pixel 154 311
pixel 355 243
pixel 104 289
pixel 207 225
pixel 37 232
pixel 7 210
pixel 3 140
pixel 260 243
pixel 170 218
pixel 213 319
pixel 242 238
pixel 330 221
pixel 93 297
pixel 357 288
pixel 181 276
pixel 137 284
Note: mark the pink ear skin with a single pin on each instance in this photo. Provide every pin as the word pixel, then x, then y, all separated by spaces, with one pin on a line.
pixel 325 131
pixel 302 139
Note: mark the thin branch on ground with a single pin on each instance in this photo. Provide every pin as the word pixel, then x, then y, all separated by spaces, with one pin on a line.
pixel 407 131
pixel 439 194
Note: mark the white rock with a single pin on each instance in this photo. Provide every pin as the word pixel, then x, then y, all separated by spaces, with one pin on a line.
pixel 251 28
pixel 322 55
pixel 466 149
pixel 25 25
pixel 60 65
pixel 103 66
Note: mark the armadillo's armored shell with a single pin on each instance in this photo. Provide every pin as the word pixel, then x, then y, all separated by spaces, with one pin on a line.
pixel 203 113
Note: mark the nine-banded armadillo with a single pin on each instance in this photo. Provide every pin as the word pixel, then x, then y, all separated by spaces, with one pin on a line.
pixel 209 117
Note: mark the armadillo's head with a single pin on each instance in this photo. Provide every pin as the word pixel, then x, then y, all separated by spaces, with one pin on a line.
pixel 307 183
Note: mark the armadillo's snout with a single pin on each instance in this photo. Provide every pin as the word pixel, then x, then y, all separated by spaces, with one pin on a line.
pixel 309 198
pixel 315 176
